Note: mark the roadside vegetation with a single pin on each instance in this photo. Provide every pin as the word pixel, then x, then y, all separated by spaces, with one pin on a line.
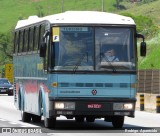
pixel 146 14
pixel 147 17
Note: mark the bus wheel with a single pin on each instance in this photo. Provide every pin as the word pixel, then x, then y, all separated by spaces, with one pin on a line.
pixel 79 119
pixel 26 117
pixel 36 118
pixel 117 121
pixel 90 119
pixel 49 122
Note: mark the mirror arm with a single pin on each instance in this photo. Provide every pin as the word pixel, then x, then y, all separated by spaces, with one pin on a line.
pixel 140 36
pixel 46 34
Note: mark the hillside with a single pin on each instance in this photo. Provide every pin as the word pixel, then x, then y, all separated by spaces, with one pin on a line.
pixel 152 10
pixel 13 10
pixel 149 9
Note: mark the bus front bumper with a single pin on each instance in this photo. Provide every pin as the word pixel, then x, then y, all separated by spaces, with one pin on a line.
pixel 99 107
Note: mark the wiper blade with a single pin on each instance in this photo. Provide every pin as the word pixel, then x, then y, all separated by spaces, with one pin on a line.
pixel 79 62
pixel 113 68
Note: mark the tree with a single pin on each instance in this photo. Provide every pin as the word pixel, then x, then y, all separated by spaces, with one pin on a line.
pixel 118 3
pixel 6 50
pixel 6 47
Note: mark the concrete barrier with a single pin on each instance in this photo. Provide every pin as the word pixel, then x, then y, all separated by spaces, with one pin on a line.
pixel 141 102
pixel 149 101
pixel 158 103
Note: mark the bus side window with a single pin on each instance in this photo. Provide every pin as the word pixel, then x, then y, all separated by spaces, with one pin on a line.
pixel 28 44
pixel 42 32
pixel 20 42
pixel 36 37
pixel 23 43
pixel 39 37
pixel 16 38
pixel 25 40
pixel 34 29
pixel 30 40
pixel 46 58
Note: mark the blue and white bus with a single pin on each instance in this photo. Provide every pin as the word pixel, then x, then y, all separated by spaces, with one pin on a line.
pixel 61 67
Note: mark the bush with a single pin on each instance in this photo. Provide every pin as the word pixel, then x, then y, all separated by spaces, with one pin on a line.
pixel 147 1
pixel 144 24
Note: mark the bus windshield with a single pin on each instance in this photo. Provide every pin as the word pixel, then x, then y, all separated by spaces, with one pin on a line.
pixel 94 49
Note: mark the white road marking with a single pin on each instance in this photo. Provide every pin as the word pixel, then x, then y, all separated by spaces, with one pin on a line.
pixel 50 134
pixel 13 123
pixel 3 119
pixel 24 126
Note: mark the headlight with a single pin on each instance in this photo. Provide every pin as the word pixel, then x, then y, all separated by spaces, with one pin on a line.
pixel 59 105
pixel 11 88
pixel 128 106
pixel 122 106
pixel 64 105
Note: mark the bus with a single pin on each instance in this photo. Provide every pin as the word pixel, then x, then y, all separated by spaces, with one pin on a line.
pixel 59 67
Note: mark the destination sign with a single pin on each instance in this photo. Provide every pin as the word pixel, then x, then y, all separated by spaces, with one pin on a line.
pixel 74 29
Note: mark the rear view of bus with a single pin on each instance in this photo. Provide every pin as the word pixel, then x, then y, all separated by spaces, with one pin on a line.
pixel 89 64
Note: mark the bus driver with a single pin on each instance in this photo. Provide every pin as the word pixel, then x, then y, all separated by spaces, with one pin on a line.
pixel 109 55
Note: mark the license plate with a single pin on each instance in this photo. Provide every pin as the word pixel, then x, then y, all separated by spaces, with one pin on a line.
pixel 3 91
pixel 94 106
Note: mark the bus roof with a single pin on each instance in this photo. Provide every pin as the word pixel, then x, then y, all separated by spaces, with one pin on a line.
pixel 79 17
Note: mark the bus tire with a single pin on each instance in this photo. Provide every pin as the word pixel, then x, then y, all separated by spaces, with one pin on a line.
pixel 26 117
pixel 49 122
pixel 36 118
pixel 117 121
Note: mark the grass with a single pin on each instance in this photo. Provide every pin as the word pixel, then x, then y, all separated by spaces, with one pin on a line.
pixel 151 61
pixel 13 10
pixel 149 9
pixel 152 10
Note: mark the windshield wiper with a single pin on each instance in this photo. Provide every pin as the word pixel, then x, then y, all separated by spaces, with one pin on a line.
pixel 113 68
pixel 80 61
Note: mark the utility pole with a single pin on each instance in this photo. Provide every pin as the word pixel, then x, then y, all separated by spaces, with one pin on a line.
pixel 62 5
pixel 102 5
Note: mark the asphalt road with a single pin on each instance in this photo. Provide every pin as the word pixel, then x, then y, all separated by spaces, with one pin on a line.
pixel 10 117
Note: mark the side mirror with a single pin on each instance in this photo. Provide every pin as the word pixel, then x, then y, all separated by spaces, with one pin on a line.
pixel 43 49
pixel 143 49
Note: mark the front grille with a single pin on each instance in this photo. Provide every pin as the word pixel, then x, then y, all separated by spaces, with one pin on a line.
pixel 4 88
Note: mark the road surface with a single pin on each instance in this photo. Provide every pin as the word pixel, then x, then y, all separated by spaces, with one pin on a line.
pixel 143 122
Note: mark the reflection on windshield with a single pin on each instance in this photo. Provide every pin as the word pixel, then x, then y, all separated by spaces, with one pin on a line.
pixel 94 48
pixel 117 65
pixel 114 49
pixel 75 49
pixel 3 81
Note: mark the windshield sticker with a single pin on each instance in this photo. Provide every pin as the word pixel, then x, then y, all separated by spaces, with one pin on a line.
pixel 55 32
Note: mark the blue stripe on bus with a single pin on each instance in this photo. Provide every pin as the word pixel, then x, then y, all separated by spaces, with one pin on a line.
pixel 121 85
